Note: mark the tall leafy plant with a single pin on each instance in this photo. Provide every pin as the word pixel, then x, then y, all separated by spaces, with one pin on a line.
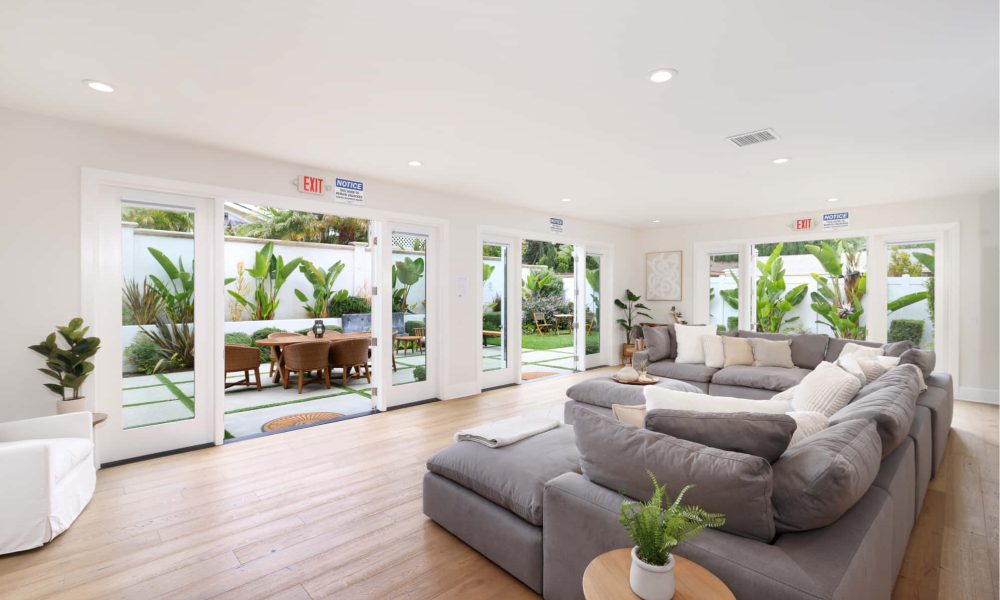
pixel 633 309
pixel 177 290
pixel 68 364
pixel 269 272
pixel 488 271
pixel 773 301
pixel 837 300
pixel 542 283
pixel 924 261
pixel 407 273
pixel 142 304
pixel 318 305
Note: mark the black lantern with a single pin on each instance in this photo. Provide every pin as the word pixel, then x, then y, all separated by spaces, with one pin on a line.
pixel 319 328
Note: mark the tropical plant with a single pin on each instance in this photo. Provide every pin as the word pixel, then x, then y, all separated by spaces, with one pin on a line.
pixel 343 304
pixel 901 264
pixel 280 224
pixel 837 300
pixel 547 305
pixel 773 301
pixel 69 366
pixel 633 309
pixel 269 273
pixel 656 530
pixel 322 282
pixel 406 272
pixel 495 305
pixel 242 287
pixel 178 296
pixel 732 296
pixel 175 342
pixel 543 282
pixel 142 304
pixel 160 220
pixel 488 271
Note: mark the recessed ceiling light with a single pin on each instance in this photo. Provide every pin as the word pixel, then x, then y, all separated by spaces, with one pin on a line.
pixel 415 163
pixel 98 86
pixel 566 200
pixel 832 199
pixel 662 75
pixel 656 220
pixel 781 161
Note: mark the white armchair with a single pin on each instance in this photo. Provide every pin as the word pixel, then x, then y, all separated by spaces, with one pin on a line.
pixel 48 476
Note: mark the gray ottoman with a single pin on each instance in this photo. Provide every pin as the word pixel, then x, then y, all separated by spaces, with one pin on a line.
pixel 491 498
pixel 598 394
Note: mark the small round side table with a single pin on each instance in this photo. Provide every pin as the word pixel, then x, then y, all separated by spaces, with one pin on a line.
pixel 606 578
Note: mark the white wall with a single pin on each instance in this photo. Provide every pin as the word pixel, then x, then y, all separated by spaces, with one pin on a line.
pixel 978 309
pixel 40 165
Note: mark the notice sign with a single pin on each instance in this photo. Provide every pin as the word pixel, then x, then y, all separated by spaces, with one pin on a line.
pixel 836 220
pixel 311 185
pixel 349 192
pixel 803 224
pixel 555 225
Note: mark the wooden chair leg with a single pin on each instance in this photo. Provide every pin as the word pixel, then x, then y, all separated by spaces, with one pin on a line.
pixel 256 376
pixel 284 377
pixel 368 374
pixel 326 377
pixel 346 370
pixel 302 379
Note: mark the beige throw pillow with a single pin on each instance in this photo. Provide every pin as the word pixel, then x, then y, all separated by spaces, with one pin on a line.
pixel 715 356
pixel 737 351
pixel 806 424
pixel 772 353
pixel 826 390
pixel 630 414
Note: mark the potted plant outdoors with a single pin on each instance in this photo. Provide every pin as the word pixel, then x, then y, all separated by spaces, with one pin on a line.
pixel 68 366
pixel 656 531
pixel 633 309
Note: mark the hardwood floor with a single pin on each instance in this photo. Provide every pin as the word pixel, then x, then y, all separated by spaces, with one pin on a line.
pixel 335 511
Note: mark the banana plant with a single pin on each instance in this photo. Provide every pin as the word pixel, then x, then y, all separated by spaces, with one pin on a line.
pixel 269 272
pixel 837 300
pixel 732 296
pixel 406 272
pixel 633 309
pixel 69 366
pixel 927 261
pixel 322 292
pixel 178 296
pixel 488 271
pixel 773 302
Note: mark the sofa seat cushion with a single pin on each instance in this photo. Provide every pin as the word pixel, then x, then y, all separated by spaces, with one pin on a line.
pixel 684 371
pixel 64 453
pixel 764 378
pixel 513 476
pixel 605 392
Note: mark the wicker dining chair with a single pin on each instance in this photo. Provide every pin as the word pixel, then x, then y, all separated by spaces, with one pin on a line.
pixel 274 351
pixel 349 354
pixel 246 359
pixel 421 332
pixel 303 358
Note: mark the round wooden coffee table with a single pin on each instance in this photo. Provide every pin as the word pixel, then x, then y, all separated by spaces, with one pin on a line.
pixel 606 578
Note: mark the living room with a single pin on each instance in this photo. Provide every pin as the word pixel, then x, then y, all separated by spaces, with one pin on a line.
pixel 432 366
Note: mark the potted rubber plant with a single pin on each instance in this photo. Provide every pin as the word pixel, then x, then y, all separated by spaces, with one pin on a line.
pixel 68 365
pixel 633 310
pixel 656 531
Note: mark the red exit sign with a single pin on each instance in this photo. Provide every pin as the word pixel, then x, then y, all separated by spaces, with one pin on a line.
pixel 311 185
pixel 801 224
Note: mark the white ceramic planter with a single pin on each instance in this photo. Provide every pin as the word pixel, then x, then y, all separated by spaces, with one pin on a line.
pixel 651 582
pixel 70 406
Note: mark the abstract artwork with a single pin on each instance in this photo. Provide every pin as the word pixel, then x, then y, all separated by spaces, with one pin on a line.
pixel 664 275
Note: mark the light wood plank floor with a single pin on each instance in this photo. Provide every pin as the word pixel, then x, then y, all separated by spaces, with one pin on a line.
pixel 334 511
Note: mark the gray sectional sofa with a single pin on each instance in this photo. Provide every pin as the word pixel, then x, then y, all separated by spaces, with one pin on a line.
pixel 544 507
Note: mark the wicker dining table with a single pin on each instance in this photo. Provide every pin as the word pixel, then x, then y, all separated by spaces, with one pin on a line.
pixel 280 343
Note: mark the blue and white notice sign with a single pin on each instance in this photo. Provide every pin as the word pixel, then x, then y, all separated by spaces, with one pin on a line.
pixel 555 225
pixel 836 220
pixel 348 191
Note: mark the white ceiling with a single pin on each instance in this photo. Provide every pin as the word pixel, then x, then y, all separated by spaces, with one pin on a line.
pixel 526 102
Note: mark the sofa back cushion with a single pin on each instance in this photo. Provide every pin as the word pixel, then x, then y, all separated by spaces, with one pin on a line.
pixel 835 345
pixel 924 359
pixel 659 342
pixel 890 402
pixel 760 434
pixel 737 485
pixel 808 349
pixel 819 479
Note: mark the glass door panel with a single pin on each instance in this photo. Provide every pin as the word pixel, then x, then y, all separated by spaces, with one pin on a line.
pixel 910 293
pixel 592 297
pixel 409 307
pixel 494 307
pixel 724 291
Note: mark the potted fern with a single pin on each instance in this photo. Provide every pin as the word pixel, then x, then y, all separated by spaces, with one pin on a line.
pixel 69 366
pixel 656 531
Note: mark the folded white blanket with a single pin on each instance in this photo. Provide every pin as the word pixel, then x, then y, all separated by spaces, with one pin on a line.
pixel 506 432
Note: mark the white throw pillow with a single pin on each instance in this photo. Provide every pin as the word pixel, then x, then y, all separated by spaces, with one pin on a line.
pixel 850 364
pixel 827 389
pixel 661 397
pixel 689 346
pixel 806 424
pixel 873 368
pixel 715 354
pixel 860 351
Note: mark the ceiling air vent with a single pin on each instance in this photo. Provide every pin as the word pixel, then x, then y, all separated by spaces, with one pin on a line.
pixel 754 137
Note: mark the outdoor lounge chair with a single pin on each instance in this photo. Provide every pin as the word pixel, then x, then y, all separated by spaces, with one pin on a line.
pixel 349 354
pixel 246 359
pixel 303 358
pixel 541 325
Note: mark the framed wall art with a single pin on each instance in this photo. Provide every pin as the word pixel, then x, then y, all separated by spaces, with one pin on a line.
pixel 665 275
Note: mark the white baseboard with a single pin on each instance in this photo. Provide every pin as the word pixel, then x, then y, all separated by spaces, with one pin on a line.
pixel 981 395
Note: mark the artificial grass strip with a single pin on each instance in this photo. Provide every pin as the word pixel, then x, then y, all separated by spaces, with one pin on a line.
pixel 184 398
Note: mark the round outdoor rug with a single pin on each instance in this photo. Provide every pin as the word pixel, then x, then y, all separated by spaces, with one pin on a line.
pixel 299 419
pixel 539 374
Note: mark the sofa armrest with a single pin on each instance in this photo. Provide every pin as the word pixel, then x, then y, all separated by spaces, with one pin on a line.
pixel 77 424
pixel 25 503
pixel 638 356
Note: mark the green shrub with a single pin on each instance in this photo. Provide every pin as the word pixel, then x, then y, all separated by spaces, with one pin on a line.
pixel 350 305
pixel 733 323
pixel 491 321
pixel 265 353
pixel 411 325
pixel 237 337
pixel 593 346
pixel 420 373
pixel 143 353
pixel 906 329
